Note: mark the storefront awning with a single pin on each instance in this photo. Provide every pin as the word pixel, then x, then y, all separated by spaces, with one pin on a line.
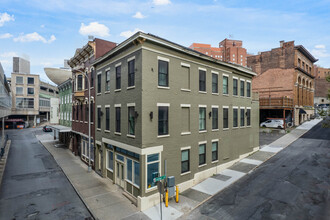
pixel 61 128
pixel 302 111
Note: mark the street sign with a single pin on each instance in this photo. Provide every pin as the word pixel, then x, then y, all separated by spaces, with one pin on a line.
pixel 159 178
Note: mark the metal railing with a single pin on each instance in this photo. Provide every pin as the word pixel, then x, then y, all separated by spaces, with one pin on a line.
pixel 276 102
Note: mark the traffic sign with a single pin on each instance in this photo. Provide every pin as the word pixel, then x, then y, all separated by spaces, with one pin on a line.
pixel 159 178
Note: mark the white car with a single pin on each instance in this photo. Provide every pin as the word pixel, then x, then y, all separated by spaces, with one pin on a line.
pixel 273 123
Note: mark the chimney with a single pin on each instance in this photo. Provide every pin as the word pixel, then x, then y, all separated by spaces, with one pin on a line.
pixel 281 43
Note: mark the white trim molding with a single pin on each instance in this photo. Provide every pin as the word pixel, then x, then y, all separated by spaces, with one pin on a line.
pixel 163 59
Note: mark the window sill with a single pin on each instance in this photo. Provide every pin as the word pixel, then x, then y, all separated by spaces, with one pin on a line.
pixel 226 129
pixel 130 136
pixel 130 87
pixel 249 126
pixel 117 90
pixel 92 123
pixel 215 129
pixel 117 133
pixel 242 96
pixel 186 90
pixel 106 92
pixel 236 96
pixel 110 170
pixel 242 127
pixel 98 129
pixel 99 94
pixel 163 87
pixel 86 122
pixel 77 121
pixel 215 93
pixel 92 87
pixel 235 128
pixel 202 92
pixel 185 133
pixel 163 136
pixel 81 121
pixel 106 131
pixel 203 165
pixel 216 161
pixel 204 131
pixel 151 189
pixel 185 173
pixel 225 94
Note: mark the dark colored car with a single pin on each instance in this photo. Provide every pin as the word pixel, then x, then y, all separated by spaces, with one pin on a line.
pixel 47 129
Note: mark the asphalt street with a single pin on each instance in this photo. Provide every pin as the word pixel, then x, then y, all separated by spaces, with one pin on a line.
pixel 34 186
pixel 294 184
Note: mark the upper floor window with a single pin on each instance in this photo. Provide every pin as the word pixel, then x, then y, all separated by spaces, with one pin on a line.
pixel 107 118
pixel 19 90
pixel 248 89
pixel 107 80
pixel 225 85
pixel 30 91
pixel 162 73
pixel 131 120
pixel 30 80
pixel 118 119
pixel 248 117
pixel 118 77
pixel 215 118
pixel 235 117
pixel 80 83
pixel 185 161
pixel 131 73
pixel 235 85
pixel 99 78
pixel 19 79
pixel 215 83
pixel 99 117
pixel 202 80
pixel 242 116
pixel 92 77
pixel 202 118
pixel 242 87
pixel 162 120
pixel 225 117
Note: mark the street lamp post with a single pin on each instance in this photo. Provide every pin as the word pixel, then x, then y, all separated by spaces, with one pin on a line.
pixel 89 119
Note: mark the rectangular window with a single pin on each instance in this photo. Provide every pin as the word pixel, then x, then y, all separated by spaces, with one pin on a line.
pixel 118 77
pixel 185 161
pixel 99 118
pixel 131 120
pixel 162 120
pixel 118 119
pixel 30 80
pixel 110 160
pixel 136 173
pixel 24 103
pixel 19 79
pixel 107 118
pixel 202 80
pixel 215 83
pixel 235 88
pixel 99 78
pixel 19 90
pixel 202 155
pixel 91 111
pixel 152 169
pixel 242 117
pixel 214 151
pixel 202 118
pixel 107 80
pixel 248 117
pixel 225 85
pixel 92 78
pixel 235 117
pixel 80 82
pixel 185 119
pixel 131 73
pixel 86 112
pixel 225 117
pixel 129 167
pixel 162 73
pixel 186 77
pixel 215 124
pixel 242 87
pixel 248 89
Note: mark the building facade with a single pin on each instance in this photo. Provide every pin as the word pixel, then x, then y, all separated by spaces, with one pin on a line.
pixel 163 109
pixel 65 97
pixel 80 64
pixel 5 104
pixel 229 51
pixel 285 82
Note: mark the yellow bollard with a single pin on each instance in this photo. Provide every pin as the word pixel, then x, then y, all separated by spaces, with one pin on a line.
pixel 166 198
pixel 177 194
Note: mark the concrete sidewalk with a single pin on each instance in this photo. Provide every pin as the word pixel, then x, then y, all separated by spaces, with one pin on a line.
pixel 104 199
pixel 201 192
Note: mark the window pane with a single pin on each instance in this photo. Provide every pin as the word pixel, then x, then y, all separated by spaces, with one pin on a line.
pixel 131 120
pixel 225 85
pixel 248 119
pixel 162 73
pixel 202 149
pixel 99 83
pixel 162 120
pixel 137 173
pixel 19 90
pixel 98 117
pixel 242 88
pixel 129 169
pixel 119 157
pixel 202 80
pixel 19 80
pixel 107 120
pixel 152 169
pixel 131 73
pixel 80 78
pixel 225 118
pixel 184 155
pixel 214 151
pixel 214 118
pixel 184 161
pixel 235 117
pixel 118 77
pixel 248 89
pixel 242 117
pixel 235 86
pixel 30 80
pixel 214 83
pixel 153 157
pixel 118 119
pixel 202 119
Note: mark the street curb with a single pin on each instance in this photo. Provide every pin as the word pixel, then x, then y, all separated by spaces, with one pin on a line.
pixel 305 131
pixel 5 156
pixel 82 199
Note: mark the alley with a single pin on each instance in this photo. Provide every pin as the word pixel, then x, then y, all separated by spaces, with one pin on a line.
pixel 34 186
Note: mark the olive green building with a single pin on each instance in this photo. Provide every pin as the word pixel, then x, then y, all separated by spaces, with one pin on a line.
pixel 164 109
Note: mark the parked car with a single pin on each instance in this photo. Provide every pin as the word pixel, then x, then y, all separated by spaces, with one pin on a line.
pixel 273 123
pixel 47 129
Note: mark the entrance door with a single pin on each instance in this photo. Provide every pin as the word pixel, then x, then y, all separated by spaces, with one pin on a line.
pixel 120 174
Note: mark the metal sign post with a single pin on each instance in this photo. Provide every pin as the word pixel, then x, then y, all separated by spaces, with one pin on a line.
pixel 160 189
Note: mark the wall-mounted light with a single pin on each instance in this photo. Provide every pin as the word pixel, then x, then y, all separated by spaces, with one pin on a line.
pixel 210 114
pixel 151 115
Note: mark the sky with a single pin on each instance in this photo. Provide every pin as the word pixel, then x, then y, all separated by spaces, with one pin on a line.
pixel 49 31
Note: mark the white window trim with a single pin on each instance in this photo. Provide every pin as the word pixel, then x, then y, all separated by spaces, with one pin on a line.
pixel 203 69
pixel 131 58
pixel 202 142
pixel 203 92
pixel 185 64
pixel 163 104
pixel 186 90
pixel 163 136
pixel 130 87
pixel 130 104
pixel 107 69
pixel 242 79
pixel 98 73
pixel 185 148
pixel 225 75
pixel 214 106
pixel 215 72
pixel 163 59
pixel 117 105
pixel 185 133
pixel 185 173
pixel 215 140
pixel 107 162
pixel 185 105
pixel 241 107
pixel 248 81
pixel 224 106
pixel 202 165
pixel 163 87
pixel 130 136
pixel 118 64
pixel 202 106
pixel 107 106
pixel 235 107
pixel 235 77
pixel 117 133
pixel 146 169
pixel 248 107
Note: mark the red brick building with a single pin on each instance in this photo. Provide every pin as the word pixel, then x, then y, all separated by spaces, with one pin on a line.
pixel 321 85
pixel 81 62
pixel 285 82
pixel 229 51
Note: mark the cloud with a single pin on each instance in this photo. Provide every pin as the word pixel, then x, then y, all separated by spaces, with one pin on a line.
pixel 8 54
pixel 320 46
pixel 4 17
pixel 42 26
pixel 33 37
pixel 94 28
pixel 139 15
pixel 161 2
pixel 6 35
pixel 127 34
